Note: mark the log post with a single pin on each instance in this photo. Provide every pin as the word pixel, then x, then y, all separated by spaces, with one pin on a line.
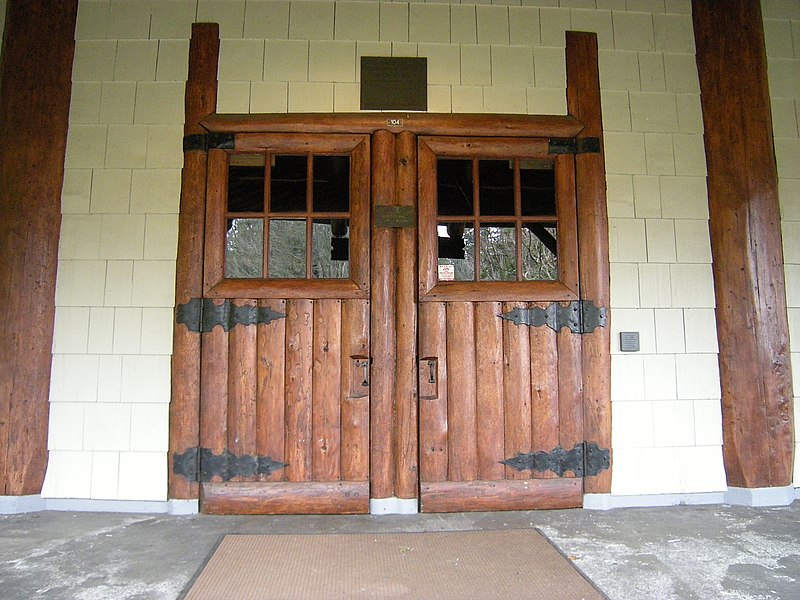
pixel 184 409
pixel 746 246
pixel 35 90
pixel 583 102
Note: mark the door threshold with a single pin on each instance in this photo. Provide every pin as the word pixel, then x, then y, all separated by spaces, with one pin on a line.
pixel 393 506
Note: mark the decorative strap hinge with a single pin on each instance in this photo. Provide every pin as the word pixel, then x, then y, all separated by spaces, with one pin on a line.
pixel 201 464
pixel 579 316
pixel 584 145
pixel 203 314
pixel 585 459
pixel 203 142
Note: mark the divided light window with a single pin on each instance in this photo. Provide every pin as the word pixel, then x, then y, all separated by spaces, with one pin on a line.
pixel 497 220
pixel 288 221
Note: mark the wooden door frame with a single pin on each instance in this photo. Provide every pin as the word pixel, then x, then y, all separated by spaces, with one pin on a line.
pixel 393 452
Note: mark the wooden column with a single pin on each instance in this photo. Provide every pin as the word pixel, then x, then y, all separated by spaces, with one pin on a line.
pixel 35 88
pixel 755 376
pixel 406 425
pixel 200 101
pixel 583 102
pixel 383 323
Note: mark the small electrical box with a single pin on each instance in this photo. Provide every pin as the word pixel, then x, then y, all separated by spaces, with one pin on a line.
pixel 629 341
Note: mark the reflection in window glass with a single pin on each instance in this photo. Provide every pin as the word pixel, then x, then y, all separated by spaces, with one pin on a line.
pixel 287 248
pixel 498 260
pixel 496 181
pixel 331 249
pixel 244 248
pixel 539 252
pixel 288 178
pixel 456 252
pixel 246 183
pixel 331 183
pixel 538 188
pixel 454 186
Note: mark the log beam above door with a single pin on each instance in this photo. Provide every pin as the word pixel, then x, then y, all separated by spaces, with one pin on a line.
pixel 746 246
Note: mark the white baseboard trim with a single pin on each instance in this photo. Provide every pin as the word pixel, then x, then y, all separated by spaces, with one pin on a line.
pixel 13 505
pixel 10 505
pixel 769 496
pixel 609 501
pixel 393 506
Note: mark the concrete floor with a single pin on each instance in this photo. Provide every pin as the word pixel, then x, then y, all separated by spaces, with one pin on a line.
pixel 684 552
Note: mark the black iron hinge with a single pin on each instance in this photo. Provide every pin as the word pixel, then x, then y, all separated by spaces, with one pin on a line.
pixel 579 316
pixel 584 145
pixel 203 142
pixel 203 314
pixel 201 464
pixel 585 459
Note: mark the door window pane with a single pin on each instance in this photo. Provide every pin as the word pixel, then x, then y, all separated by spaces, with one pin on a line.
pixel 454 187
pixel 244 248
pixel 331 249
pixel 288 178
pixel 496 187
pixel 539 252
pixel 287 248
pixel 538 188
pixel 498 254
pixel 456 252
pixel 331 184
pixel 246 183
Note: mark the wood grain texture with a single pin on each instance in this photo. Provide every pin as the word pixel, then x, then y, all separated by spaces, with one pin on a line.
pixel 270 373
pixel 36 88
pixel 406 425
pixel 489 388
pixel 255 498
pixel 562 126
pixel 383 324
pixel 299 368
pixel 433 412
pixel 214 391
pixel 355 409
pixel 527 494
pixel 200 99
pixel 327 387
pixel 242 388
pixel 583 103
pixel 746 245
pixel 516 390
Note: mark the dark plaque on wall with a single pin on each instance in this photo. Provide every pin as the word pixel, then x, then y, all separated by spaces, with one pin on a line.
pixel 394 83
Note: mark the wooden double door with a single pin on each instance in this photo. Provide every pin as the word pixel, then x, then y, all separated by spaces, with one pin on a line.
pixel 392 313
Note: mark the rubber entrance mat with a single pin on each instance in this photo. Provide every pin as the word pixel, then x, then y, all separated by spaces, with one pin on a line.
pixel 440 565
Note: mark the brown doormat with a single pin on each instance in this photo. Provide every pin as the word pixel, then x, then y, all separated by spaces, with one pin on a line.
pixel 440 565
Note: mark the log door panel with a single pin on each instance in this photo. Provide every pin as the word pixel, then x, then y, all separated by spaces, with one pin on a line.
pixel 284 398
pixel 500 406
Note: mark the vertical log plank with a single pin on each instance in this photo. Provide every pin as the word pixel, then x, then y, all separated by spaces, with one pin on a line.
pixel 214 391
pixel 489 390
pixel 35 81
pixel 200 100
pixel 546 365
pixel 327 373
pixel 299 367
pixel 516 390
pixel 242 387
pixel 383 325
pixel 461 406
pixel 433 412
pixel 570 396
pixel 746 245
pixel 270 409
pixel 406 442
pixel 355 411
pixel 583 102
